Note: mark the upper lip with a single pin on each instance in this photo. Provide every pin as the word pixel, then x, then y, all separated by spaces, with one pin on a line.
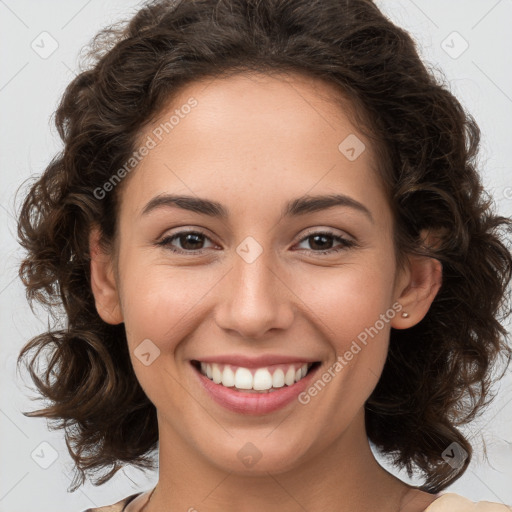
pixel 255 362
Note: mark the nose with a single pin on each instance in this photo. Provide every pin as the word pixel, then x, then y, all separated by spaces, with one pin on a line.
pixel 254 299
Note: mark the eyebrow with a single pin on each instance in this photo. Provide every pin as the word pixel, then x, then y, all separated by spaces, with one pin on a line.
pixel 294 208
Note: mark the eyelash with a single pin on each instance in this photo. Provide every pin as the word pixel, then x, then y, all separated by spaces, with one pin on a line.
pixel 345 243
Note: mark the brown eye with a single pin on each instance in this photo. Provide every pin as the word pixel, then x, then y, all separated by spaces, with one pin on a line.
pixel 189 241
pixel 322 243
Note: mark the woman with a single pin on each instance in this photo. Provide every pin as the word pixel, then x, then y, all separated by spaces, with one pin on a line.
pixel 272 246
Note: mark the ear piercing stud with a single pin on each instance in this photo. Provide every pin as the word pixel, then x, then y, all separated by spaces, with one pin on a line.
pixel 405 315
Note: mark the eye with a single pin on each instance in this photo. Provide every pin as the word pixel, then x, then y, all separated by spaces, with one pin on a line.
pixel 323 241
pixel 190 242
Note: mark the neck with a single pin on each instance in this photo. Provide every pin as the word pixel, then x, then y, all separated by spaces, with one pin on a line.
pixel 344 477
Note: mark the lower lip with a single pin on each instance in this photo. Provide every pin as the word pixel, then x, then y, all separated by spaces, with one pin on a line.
pixel 254 403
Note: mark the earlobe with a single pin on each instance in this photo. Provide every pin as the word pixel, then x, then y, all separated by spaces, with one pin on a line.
pixel 103 283
pixel 417 290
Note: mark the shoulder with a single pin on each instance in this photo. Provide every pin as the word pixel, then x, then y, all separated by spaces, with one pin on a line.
pixel 451 502
pixel 116 507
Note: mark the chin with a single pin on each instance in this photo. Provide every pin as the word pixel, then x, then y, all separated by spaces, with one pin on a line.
pixel 257 457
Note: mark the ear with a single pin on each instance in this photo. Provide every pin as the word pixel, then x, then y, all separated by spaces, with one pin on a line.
pixel 103 283
pixel 417 286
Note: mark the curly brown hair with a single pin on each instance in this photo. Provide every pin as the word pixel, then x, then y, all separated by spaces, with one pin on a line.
pixel 438 374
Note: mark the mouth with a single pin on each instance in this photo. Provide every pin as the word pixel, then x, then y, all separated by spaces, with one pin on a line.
pixel 267 379
pixel 254 391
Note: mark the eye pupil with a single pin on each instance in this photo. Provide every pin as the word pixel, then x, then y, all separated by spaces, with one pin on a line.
pixel 186 239
pixel 322 245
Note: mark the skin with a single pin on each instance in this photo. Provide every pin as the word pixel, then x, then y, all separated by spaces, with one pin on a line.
pixel 253 143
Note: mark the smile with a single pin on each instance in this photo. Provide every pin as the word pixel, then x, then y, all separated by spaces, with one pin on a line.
pixel 256 390
pixel 258 380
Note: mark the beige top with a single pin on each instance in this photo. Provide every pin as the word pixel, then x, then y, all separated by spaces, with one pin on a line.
pixel 449 502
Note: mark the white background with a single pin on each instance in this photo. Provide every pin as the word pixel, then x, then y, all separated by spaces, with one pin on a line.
pixel 30 87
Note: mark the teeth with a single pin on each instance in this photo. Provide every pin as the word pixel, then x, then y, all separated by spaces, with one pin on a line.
pixel 216 374
pixel 278 379
pixel 228 377
pixel 290 376
pixel 261 381
pixel 243 378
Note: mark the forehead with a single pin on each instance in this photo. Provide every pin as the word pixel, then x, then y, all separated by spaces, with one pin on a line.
pixel 292 102
pixel 259 136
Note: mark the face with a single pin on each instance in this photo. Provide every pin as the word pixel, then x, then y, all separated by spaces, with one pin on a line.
pixel 253 274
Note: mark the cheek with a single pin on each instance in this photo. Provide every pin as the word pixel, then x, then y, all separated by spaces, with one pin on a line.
pixel 353 307
pixel 355 312
pixel 348 300
pixel 159 302
pixel 163 305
